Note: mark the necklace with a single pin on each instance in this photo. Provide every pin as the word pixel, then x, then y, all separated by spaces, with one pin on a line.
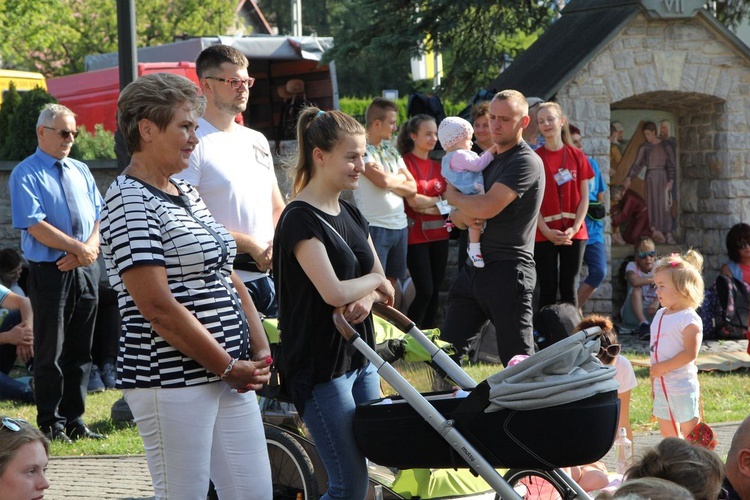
pixel 143 177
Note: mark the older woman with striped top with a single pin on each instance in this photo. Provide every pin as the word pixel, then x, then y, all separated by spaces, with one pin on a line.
pixel 192 348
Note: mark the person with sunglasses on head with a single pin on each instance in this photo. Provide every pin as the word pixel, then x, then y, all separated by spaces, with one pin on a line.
pixel 609 354
pixel 232 169
pixel 640 302
pixel 24 454
pixel 56 205
pixel 738 251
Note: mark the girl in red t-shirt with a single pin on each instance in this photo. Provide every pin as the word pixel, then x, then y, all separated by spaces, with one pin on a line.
pixel 561 233
pixel 427 255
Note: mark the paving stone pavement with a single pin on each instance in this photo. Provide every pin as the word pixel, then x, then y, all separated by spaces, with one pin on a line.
pixel 127 477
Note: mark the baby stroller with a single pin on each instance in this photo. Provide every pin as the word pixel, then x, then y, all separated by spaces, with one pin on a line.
pixel 558 408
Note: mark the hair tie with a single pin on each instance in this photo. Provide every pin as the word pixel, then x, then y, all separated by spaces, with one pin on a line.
pixel 320 112
pixel 674 263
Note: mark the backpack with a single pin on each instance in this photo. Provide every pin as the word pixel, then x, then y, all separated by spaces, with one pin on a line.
pixel 423 104
pixel 726 309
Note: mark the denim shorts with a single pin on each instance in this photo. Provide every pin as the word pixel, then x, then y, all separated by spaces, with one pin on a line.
pixel 684 406
pixel 391 246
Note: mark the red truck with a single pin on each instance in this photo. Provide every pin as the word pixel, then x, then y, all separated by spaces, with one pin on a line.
pixel 93 95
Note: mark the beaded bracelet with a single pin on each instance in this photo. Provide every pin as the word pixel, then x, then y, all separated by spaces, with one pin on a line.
pixel 228 369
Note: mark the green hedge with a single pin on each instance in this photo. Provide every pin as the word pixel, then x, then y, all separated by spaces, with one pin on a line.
pixel 356 107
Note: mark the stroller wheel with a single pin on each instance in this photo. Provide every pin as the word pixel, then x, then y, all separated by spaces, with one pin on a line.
pixel 533 484
pixel 292 471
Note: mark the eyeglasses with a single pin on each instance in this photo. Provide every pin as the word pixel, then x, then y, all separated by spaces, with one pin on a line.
pixel 742 244
pixel 12 424
pixel 643 255
pixel 63 133
pixel 235 83
pixel 611 350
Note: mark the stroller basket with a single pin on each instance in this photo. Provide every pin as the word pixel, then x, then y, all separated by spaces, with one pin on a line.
pixel 581 432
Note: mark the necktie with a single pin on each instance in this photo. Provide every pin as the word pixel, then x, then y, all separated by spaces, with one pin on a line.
pixel 69 190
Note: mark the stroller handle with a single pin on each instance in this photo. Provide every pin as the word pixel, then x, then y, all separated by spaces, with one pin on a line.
pixel 393 315
pixel 342 325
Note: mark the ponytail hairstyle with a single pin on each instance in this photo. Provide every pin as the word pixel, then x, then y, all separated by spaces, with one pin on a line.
pixel 404 143
pixel 685 272
pixel 557 110
pixel 318 129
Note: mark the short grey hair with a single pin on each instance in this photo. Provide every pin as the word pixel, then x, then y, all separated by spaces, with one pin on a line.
pixel 154 97
pixel 50 112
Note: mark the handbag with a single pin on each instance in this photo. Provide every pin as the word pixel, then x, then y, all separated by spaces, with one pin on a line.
pixel 596 211
pixel 702 434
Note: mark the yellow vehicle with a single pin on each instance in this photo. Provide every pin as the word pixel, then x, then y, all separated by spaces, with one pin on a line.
pixel 23 80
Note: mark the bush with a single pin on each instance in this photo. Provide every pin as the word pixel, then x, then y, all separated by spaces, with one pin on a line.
pixel 21 137
pixel 97 146
pixel 356 107
pixel 11 101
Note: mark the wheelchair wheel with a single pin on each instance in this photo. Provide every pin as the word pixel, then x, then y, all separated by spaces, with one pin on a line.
pixel 291 469
pixel 533 484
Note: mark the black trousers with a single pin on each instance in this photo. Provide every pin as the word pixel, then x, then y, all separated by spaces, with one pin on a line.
pixel 558 266
pixel 64 306
pixel 426 263
pixel 106 341
pixel 501 292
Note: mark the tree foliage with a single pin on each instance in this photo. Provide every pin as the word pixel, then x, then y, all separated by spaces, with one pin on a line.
pixel 474 35
pixel 731 13
pixel 54 36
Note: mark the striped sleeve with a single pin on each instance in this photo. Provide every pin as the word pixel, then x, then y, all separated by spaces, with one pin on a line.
pixel 134 233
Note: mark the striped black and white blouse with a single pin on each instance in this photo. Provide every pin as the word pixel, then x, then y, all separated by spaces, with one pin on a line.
pixel 141 225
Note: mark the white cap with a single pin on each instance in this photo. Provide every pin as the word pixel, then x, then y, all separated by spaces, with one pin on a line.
pixel 452 130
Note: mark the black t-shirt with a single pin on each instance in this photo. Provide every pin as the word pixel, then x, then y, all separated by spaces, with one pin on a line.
pixel 510 234
pixel 313 350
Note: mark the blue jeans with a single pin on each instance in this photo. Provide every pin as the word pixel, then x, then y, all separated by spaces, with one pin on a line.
pixel 391 246
pixel 263 293
pixel 596 260
pixel 328 415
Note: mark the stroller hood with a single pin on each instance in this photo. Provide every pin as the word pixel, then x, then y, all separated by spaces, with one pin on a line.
pixel 564 372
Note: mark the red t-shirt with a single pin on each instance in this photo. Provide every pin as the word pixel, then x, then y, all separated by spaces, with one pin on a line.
pixel 424 228
pixel 560 203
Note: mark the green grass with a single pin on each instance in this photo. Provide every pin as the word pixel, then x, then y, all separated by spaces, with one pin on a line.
pixel 724 396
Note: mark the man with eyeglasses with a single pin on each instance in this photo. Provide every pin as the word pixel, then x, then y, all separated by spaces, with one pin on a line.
pixel 56 205
pixel 232 168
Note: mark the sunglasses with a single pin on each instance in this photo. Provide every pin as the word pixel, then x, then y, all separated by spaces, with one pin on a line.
pixel 12 424
pixel 63 133
pixel 235 83
pixel 723 494
pixel 742 244
pixel 643 255
pixel 611 350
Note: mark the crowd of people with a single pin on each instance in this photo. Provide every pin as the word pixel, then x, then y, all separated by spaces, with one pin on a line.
pixel 199 242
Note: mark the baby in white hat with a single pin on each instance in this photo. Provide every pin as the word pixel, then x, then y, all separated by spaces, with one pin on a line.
pixel 462 167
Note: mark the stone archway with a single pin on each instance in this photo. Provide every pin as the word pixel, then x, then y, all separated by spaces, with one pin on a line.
pixel 685 68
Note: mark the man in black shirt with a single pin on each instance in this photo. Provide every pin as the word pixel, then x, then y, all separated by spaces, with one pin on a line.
pixel 502 290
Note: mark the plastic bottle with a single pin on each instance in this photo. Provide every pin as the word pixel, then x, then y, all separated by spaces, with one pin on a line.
pixel 623 451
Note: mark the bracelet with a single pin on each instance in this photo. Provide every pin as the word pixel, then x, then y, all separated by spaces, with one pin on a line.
pixel 228 369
